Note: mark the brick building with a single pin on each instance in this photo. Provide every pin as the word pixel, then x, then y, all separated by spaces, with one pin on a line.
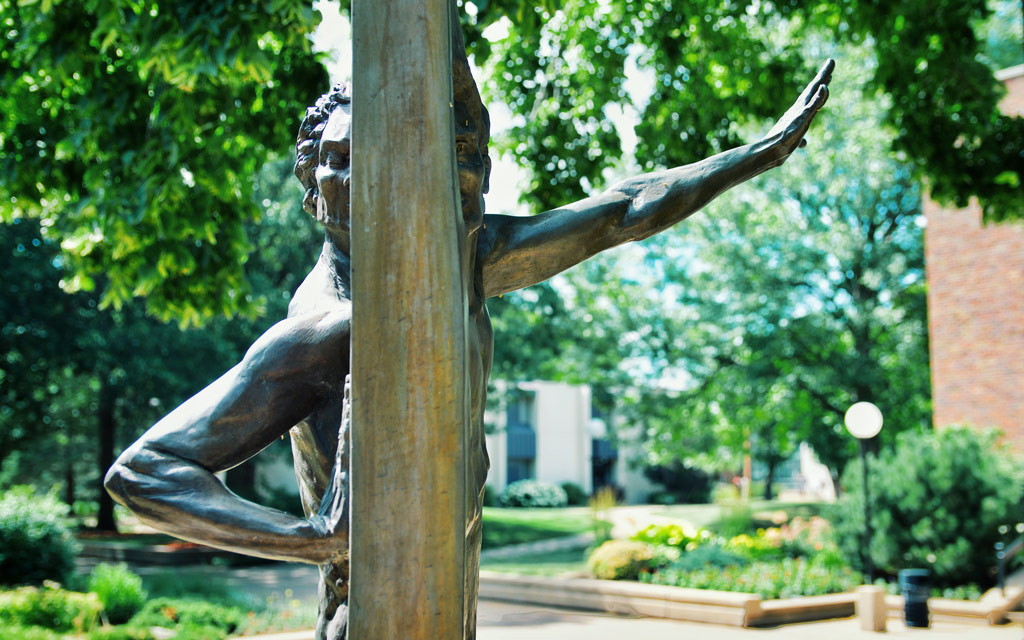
pixel 976 309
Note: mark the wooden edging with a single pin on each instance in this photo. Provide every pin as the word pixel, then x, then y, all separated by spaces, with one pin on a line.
pixel 717 607
pixel 657 601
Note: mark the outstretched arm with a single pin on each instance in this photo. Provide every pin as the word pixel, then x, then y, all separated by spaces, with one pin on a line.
pixel 167 477
pixel 517 252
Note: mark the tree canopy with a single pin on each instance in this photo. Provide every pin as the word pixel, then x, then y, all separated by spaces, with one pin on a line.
pixel 133 130
pixel 762 319
pixel 719 65
pixel 78 381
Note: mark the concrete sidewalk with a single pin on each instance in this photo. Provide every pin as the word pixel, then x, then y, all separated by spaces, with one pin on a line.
pixel 502 621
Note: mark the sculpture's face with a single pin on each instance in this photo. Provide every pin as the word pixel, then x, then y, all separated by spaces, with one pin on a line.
pixel 474 168
pixel 333 169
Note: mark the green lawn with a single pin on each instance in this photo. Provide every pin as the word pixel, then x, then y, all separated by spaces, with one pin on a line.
pixel 553 563
pixel 129 539
pixel 514 526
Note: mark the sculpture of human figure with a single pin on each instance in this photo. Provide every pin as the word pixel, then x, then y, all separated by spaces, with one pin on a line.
pixel 291 380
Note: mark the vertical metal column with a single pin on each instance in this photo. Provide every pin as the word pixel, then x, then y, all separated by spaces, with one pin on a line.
pixel 410 411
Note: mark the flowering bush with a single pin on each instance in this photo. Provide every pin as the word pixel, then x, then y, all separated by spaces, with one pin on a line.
pixel 622 560
pixel 798 558
pixel 672 535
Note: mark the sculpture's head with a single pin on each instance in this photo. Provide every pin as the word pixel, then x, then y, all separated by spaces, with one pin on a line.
pixel 322 158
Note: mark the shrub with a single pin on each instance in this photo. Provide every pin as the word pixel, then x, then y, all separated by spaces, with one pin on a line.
pixel 937 499
pixel 671 535
pixel 574 494
pixel 683 485
pixel 175 613
pixel 50 608
pixel 708 556
pixel 35 544
pixel 533 493
pixel 622 560
pixel 119 590
pixel 27 633
pixel 661 498
pixel 121 632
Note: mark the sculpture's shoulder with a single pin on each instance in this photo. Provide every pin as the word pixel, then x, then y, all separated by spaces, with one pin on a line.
pixel 322 291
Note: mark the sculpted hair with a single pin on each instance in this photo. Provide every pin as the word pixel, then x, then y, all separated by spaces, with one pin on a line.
pixel 464 88
pixel 307 144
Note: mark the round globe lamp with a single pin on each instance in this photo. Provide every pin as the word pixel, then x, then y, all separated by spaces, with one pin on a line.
pixel 863 420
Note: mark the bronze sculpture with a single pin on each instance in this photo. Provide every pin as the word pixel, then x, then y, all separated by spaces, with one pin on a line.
pixel 291 379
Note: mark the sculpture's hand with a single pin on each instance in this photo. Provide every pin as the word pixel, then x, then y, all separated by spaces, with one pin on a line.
pixel 331 519
pixel 788 133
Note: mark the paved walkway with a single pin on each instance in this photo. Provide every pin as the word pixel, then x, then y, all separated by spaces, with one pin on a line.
pixel 503 621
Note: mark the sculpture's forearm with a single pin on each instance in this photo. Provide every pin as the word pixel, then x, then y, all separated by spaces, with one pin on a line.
pixel 656 201
pixel 181 498
pixel 167 477
pixel 518 252
pixel 526 251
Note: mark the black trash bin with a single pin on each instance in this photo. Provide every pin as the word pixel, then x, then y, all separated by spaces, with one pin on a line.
pixel 915 585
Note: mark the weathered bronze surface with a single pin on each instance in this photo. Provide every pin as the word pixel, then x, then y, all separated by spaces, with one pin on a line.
pixel 291 379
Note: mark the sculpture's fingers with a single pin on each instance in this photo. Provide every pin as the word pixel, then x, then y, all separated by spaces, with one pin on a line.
pixel 821 97
pixel 825 73
pixel 821 79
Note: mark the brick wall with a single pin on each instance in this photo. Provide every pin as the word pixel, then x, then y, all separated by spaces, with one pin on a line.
pixel 976 310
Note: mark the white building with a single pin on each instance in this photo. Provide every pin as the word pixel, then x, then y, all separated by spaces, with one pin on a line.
pixel 549 431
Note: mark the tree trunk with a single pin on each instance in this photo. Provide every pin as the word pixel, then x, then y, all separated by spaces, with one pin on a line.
pixel 69 480
pixel 106 425
pixel 769 480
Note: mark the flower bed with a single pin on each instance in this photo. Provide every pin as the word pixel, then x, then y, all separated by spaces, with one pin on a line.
pixel 785 578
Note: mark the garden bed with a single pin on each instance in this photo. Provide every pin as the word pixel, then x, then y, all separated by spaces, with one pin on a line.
pixel 658 601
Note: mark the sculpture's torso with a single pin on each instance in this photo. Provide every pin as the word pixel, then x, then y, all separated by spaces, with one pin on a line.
pixel 315 439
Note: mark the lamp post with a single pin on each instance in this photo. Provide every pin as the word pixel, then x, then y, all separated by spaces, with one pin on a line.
pixel 864 421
